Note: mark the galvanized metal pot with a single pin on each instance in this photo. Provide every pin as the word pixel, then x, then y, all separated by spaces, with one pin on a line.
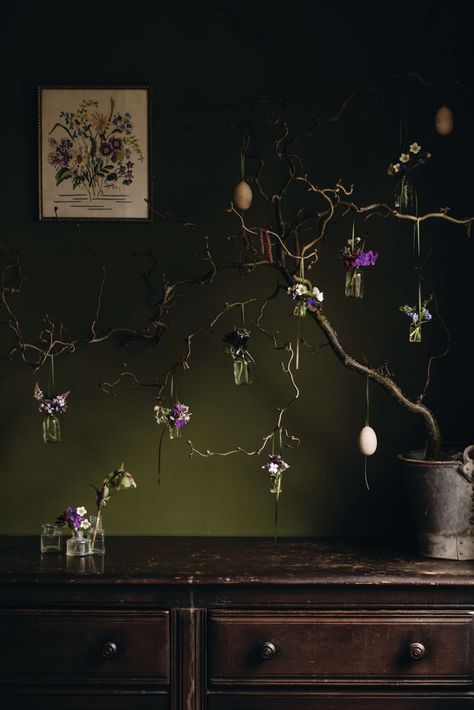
pixel 442 499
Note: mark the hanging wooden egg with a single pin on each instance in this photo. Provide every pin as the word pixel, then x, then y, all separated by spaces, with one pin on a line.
pixel 242 195
pixel 444 121
pixel 367 441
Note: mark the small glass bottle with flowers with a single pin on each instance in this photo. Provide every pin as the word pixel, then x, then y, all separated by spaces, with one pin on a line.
pixel 236 346
pixel 418 317
pixel 356 259
pixel 76 519
pixel 51 407
pixel 174 417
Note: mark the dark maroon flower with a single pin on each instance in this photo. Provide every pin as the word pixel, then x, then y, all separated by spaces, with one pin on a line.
pixel 105 149
pixel 116 144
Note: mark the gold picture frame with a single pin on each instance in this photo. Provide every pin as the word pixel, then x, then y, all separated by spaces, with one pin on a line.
pixel 94 153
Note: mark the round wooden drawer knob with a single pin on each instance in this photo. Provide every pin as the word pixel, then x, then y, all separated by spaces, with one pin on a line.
pixel 267 650
pixel 109 649
pixel 417 651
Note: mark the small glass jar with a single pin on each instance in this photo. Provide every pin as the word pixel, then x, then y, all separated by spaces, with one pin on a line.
pixel 242 372
pixel 174 432
pixel 51 429
pixel 50 539
pixel 97 536
pixel 300 309
pixel 415 333
pixel 405 196
pixel 78 545
pixel 275 483
pixel 354 283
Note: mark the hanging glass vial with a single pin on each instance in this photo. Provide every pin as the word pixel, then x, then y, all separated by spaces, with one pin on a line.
pixel 405 196
pixel 51 429
pixel 174 432
pixel 414 333
pixel 236 346
pixel 418 317
pixel 356 260
pixel 242 372
pixel 51 406
pixel 354 283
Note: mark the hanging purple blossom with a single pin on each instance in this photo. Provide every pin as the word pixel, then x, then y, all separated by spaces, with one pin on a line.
pixel 355 257
pixel 51 405
pixel 179 415
pixel 175 417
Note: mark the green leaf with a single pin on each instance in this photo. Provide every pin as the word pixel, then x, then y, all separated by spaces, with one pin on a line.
pixel 63 127
pixel 63 174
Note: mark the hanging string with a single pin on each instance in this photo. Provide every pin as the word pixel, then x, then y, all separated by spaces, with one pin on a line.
pixel 51 385
pixel 367 401
pixel 242 164
pixel 242 315
pixel 367 422
pixel 160 445
pixel 298 328
pixel 278 482
pixel 173 387
pixel 275 537
pixel 418 247
pixel 173 394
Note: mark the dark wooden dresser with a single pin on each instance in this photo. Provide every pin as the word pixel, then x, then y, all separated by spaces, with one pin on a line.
pixel 234 624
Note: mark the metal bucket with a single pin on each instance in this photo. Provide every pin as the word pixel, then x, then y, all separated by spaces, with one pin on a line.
pixel 441 494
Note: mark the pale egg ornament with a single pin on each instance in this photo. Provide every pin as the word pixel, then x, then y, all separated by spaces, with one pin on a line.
pixel 444 121
pixel 242 195
pixel 367 441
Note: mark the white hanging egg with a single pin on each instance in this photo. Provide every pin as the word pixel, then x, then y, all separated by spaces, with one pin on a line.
pixel 242 195
pixel 444 121
pixel 367 441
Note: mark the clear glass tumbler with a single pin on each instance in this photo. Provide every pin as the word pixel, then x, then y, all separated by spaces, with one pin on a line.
pixel 51 538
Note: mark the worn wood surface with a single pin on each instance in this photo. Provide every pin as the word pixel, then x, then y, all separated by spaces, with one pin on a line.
pixel 228 561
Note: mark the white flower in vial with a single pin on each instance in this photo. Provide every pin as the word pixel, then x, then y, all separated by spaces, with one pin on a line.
pixel 404 158
pixel 415 148
pixel 81 511
pixel 85 525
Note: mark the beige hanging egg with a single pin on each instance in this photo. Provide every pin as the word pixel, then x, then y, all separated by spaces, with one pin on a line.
pixel 367 441
pixel 242 195
pixel 444 121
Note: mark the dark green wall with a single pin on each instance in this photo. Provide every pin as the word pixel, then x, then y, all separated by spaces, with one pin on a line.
pixel 208 63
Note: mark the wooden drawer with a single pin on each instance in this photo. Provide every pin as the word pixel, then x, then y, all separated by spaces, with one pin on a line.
pixel 296 648
pixel 91 647
pixel 76 700
pixel 341 701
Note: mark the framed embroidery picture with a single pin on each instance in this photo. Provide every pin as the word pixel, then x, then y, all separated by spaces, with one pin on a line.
pixel 94 153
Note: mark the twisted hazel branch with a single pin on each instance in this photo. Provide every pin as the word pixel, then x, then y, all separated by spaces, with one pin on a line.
pixel 311 256
pixel 278 427
pixel 109 387
pixel 382 209
pixel 433 431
